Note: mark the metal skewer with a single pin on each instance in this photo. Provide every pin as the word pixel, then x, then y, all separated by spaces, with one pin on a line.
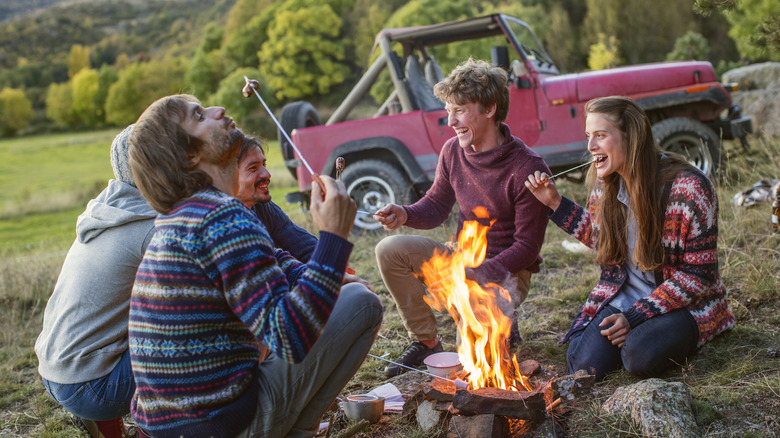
pixel 250 85
pixel 544 180
pixel 457 382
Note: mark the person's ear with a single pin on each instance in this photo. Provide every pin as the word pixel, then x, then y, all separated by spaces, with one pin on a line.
pixel 491 110
pixel 194 160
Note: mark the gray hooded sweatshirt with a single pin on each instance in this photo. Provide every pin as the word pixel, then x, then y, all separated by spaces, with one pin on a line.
pixel 85 323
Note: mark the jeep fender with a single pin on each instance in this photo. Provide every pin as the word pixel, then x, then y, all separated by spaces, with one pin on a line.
pixel 380 148
pixel 703 105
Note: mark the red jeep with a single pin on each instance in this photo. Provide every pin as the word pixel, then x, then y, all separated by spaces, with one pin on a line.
pixel 392 156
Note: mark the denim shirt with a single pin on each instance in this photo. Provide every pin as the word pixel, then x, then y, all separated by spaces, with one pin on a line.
pixel 639 284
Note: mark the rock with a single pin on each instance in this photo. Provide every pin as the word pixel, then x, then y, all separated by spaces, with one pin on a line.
pixel 660 408
pixel 431 414
pixel 529 367
pixel 478 426
pixel 754 76
pixel 573 385
pixel 759 95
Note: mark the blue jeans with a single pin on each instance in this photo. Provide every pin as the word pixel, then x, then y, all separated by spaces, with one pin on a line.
pixel 105 398
pixel 293 397
pixel 650 348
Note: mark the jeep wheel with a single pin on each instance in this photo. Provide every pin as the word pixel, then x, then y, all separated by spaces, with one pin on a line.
pixel 692 139
pixel 374 184
pixel 295 115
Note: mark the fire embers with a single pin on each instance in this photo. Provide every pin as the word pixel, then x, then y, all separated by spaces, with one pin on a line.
pixel 482 326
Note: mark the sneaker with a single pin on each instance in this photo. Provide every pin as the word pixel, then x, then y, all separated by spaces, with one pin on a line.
pixel 413 357
pixel 100 429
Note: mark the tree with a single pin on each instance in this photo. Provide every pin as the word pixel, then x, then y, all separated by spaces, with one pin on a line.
pixel 604 54
pixel 755 25
pixel 241 47
pixel 15 111
pixel 304 55
pixel 86 106
pixel 692 45
pixel 140 84
pixel 78 59
pixel 59 104
pixel 205 72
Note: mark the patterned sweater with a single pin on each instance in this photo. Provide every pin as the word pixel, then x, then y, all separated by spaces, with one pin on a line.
pixel 690 274
pixel 210 293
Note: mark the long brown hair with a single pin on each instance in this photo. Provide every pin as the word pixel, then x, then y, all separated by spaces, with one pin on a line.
pixel 646 172
pixel 161 154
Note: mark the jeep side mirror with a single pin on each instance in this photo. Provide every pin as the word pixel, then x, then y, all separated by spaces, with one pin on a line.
pixel 500 56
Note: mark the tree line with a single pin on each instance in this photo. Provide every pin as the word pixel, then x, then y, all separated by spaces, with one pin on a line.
pixel 98 64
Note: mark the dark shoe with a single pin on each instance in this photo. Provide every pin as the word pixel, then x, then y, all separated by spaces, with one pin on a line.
pixel 412 357
pixel 515 339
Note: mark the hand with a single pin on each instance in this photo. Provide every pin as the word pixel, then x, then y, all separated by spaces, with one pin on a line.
pixel 352 278
pixel 543 187
pixel 391 216
pixel 331 207
pixel 619 330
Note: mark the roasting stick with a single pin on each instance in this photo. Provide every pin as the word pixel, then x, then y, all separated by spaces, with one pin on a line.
pixel 544 180
pixel 457 382
pixel 251 88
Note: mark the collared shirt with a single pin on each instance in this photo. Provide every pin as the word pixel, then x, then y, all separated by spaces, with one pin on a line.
pixel 639 284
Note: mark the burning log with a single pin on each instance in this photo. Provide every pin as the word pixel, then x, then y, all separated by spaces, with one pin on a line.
pixel 524 405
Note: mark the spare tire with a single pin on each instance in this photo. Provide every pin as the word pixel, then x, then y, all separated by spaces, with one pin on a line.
pixel 295 115
pixel 692 139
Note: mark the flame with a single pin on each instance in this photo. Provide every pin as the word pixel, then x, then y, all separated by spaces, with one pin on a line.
pixel 482 327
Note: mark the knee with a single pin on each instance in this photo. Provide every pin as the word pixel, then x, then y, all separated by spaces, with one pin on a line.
pixel 642 362
pixel 363 299
pixel 387 249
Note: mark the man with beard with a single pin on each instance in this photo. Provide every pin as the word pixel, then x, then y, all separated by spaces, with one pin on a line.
pixel 253 181
pixel 229 336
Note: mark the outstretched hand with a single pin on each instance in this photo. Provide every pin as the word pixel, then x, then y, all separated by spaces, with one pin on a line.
pixel 391 216
pixel 543 187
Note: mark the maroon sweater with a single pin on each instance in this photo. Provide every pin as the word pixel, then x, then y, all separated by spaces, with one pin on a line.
pixel 494 179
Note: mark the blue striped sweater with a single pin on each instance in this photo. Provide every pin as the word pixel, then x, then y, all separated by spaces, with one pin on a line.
pixel 210 294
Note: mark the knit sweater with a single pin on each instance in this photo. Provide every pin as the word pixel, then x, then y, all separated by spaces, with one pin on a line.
pixel 210 294
pixel 285 233
pixel 690 274
pixel 494 179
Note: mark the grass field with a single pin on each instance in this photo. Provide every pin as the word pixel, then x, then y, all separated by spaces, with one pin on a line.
pixel 46 181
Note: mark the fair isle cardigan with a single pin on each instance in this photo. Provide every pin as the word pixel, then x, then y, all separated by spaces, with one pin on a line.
pixel 210 294
pixel 690 278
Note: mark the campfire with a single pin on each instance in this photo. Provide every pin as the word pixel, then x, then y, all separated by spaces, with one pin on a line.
pixel 482 327
pixel 500 399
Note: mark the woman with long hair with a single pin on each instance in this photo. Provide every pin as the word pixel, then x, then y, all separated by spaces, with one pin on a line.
pixel 653 221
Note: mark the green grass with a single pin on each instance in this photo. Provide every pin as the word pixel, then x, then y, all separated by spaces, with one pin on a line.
pixel 735 379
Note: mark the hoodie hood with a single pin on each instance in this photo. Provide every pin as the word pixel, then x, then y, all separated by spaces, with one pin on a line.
pixel 117 204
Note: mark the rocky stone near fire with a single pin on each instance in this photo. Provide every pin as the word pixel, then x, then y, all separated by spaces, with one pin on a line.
pixel 573 385
pixel 431 414
pixel 478 426
pixel 516 404
pixel 660 408
pixel 529 367
pixel 440 390
pixel 759 95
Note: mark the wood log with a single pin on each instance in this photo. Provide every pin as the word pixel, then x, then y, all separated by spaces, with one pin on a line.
pixel 524 405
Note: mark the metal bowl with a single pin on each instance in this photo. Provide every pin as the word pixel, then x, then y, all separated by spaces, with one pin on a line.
pixel 363 407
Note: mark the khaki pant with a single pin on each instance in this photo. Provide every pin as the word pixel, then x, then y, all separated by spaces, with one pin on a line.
pixel 400 257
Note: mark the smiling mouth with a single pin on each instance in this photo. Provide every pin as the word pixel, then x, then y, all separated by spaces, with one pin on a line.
pixel 598 159
pixel 461 131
